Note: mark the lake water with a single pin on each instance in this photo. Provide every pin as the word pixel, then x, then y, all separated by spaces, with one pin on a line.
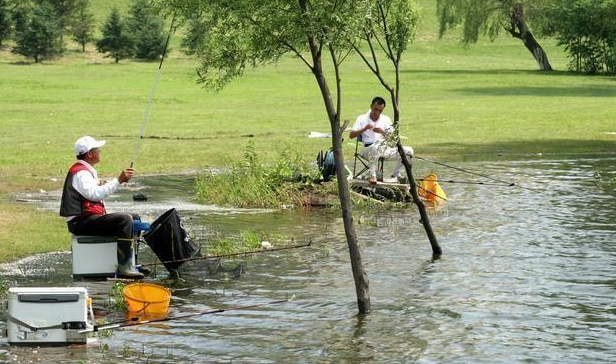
pixel 526 276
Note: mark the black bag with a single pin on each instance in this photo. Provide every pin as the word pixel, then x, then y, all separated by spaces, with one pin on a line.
pixel 169 241
pixel 326 164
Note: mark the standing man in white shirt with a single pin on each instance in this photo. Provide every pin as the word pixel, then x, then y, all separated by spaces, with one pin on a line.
pixel 374 128
pixel 83 206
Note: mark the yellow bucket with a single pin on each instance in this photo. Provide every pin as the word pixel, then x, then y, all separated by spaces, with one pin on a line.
pixel 147 298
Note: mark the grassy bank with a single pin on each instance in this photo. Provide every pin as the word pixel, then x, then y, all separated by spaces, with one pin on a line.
pixel 456 102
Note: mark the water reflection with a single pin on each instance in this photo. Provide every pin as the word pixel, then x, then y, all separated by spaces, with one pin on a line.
pixel 526 276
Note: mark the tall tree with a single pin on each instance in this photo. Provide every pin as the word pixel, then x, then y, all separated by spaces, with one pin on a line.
pixel 115 40
pixel 196 31
pixel 39 39
pixel 64 10
pixel 21 11
pixel 146 28
pixel 82 24
pixel 5 21
pixel 389 27
pixel 490 17
pixel 246 33
pixel 587 29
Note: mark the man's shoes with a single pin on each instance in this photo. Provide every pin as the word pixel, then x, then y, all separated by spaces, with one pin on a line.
pixel 372 180
pixel 399 178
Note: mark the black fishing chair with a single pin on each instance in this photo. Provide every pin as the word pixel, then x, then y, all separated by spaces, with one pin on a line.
pixel 364 163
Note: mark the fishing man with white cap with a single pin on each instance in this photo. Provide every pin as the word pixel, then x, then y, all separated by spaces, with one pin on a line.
pixel 83 206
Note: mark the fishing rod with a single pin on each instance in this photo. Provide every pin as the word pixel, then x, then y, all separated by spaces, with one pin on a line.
pixel 231 254
pixel 133 322
pixel 151 97
pixel 510 184
pixel 432 193
pixel 463 182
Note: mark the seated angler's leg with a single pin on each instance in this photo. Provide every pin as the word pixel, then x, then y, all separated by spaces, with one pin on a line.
pixel 124 232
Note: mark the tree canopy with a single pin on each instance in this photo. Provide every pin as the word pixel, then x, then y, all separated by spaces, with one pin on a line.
pixel 587 29
pixel 490 17
pixel 39 39
pixel 146 29
pixel 5 21
pixel 82 25
pixel 116 40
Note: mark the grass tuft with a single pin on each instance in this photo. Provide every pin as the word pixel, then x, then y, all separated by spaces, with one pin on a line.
pixel 256 183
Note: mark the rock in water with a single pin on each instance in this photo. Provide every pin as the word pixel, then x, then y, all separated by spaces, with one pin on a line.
pixel 140 197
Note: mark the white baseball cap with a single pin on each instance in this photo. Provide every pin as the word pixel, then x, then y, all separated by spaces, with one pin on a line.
pixel 87 143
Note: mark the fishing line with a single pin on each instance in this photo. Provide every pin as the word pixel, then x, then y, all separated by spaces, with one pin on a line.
pixel 432 193
pixel 230 254
pixel 510 184
pixel 151 97
pixel 126 323
pixel 464 182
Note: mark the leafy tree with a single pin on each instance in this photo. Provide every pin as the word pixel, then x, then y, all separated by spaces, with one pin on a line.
pixel 21 13
pixel 64 10
pixel 82 27
pixel 5 21
pixel 244 33
pixel 40 39
pixel 490 17
pixel 146 29
pixel 388 28
pixel 115 40
pixel 195 34
pixel 588 31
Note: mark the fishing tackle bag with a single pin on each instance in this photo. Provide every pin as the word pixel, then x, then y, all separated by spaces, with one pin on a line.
pixel 169 241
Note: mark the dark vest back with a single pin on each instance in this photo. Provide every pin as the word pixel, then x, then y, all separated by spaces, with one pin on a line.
pixel 72 202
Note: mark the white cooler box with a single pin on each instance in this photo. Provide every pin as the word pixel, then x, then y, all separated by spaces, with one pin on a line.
pixel 47 315
pixel 94 256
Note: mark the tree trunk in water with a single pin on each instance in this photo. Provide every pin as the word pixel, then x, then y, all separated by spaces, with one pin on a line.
pixel 519 29
pixel 362 283
pixel 425 219
pixel 408 167
pixel 359 274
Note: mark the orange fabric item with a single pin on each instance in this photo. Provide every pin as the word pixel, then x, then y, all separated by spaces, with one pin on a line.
pixel 430 190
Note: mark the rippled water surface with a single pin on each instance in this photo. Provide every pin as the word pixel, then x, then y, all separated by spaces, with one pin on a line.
pixel 527 275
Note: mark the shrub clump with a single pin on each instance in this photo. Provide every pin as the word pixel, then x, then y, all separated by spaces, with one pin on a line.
pixel 256 183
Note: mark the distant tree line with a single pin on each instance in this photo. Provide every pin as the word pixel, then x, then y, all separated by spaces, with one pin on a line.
pixel 38 29
pixel 586 28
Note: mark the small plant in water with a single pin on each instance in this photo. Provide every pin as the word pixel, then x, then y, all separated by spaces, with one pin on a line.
pixel 4 287
pixel 116 298
pixel 602 180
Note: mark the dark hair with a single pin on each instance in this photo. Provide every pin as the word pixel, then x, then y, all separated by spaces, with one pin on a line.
pixel 379 101
pixel 82 156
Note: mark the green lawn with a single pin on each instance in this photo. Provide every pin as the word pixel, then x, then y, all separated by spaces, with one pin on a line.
pixel 457 102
